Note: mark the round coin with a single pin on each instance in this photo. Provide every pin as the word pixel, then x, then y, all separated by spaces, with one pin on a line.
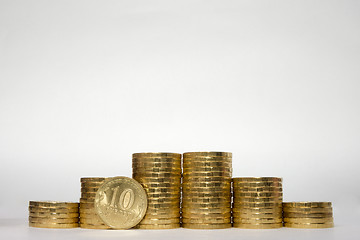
pixel 307 210
pixel 161 221
pixel 53 204
pixel 121 202
pixel 257 179
pixel 206 226
pixel 158 226
pixel 94 226
pixel 307 204
pixel 309 220
pixel 156 155
pixel 307 215
pixel 54 210
pixel 310 225
pixel 53 225
pixel 53 220
pixel 92 179
pixel 206 220
pixel 53 215
pixel 258 226
pixel 258 220
pixel 207 154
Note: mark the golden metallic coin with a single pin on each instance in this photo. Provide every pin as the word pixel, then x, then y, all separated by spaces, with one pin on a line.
pixel 206 200
pixel 309 220
pixel 198 174
pixel 121 202
pixel 93 226
pixel 207 189
pixel 257 209
pixel 206 184
pixel 53 215
pixel 259 194
pixel 158 226
pixel 206 220
pixel 138 164
pixel 167 175
pixel 206 215
pixel 259 190
pixel 206 179
pixel 156 160
pixel 54 210
pixel 92 179
pixel 161 185
pixel 91 221
pixel 154 179
pixel 53 220
pixel 156 155
pixel 162 215
pixel 163 200
pixel 307 204
pixel 164 205
pixel 53 204
pixel 53 225
pixel 207 154
pixel 310 225
pixel 307 215
pixel 90 185
pixel 257 204
pixel 87 212
pixel 157 170
pixel 258 220
pixel 190 165
pixel 89 190
pixel 206 226
pixel 162 190
pixel 161 221
pixel 206 205
pixel 164 195
pixel 257 215
pixel 205 210
pixel 207 169
pixel 152 212
pixel 88 195
pixel 90 216
pixel 258 226
pixel 240 200
pixel 238 186
pixel 308 210
pixel 87 200
pixel 257 179
pixel 209 194
pixel 87 205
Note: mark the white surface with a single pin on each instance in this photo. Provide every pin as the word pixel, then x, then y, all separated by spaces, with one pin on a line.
pixel 83 84
pixel 18 229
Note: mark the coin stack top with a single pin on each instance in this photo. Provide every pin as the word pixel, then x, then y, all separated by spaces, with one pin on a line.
pixel 308 215
pixel 257 202
pixel 51 214
pixel 88 216
pixel 160 175
pixel 206 202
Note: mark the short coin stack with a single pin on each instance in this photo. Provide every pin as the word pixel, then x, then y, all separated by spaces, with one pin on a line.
pixel 206 202
pixel 308 215
pixel 160 175
pixel 88 215
pixel 257 202
pixel 49 214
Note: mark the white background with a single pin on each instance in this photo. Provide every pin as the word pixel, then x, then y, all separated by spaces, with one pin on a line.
pixel 84 84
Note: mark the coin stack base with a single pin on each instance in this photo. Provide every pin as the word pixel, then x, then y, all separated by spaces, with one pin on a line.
pixel 308 215
pixel 160 175
pixel 48 214
pixel 88 216
pixel 257 202
pixel 206 202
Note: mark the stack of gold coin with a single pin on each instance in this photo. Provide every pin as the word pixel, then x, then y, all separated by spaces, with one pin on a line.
pixel 206 202
pixel 160 175
pixel 257 202
pixel 308 215
pixel 47 214
pixel 88 216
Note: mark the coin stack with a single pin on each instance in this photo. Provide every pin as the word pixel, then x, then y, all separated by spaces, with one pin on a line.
pixel 257 202
pixel 206 202
pixel 88 216
pixel 160 175
pixel 53 214
pixel 308 215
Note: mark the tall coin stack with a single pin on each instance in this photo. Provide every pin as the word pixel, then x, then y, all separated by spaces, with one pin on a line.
pixel 160 175
pixel 257 202
pixel 88 216
pixel 308 215
pixel 53 214
pixel 206 202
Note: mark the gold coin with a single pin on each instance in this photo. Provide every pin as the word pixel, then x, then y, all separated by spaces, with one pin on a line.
pixel 222 164
pixel 89 190
pixel 307 204
pixel 53 220
pixel 156 155
pixel 55 210
pixel 238 185
pixel 259 194
pixel 90 185
pixel 93 226
pixel 53 215
pixel 163 190
pixel 308 210
pixel 309 220
pixel 310 225
pixel 206 210
pixel 174 165
pixel 161 185
pixel 257 179
pixel 164 200
pixel 258 190
pixel 88 195
pixel 206 184
pixel 209 194
pixel 257 204
pixel 257 210
pixel 87 211
pixel 207 169
pixel 206 215
pixel 160 221
pixel 53 204
pixel 92 179
pixel 53 225
pixel 206 226
pixel 162 211
pixel 239 200
pixel 206 220
pixel 164 195
pixel 121 202
pixel 157 170
pixel 204 174
pixel 87 205
pixel 207 189
pixel 158 226
pixel 257 220
pixel 206 205
pixel 87 200
pixel 307 215
pixel 207 154
pixel 164 205
pixel 258 226
pixel 91 216
pixel 257 215
pixel 164 175
pixel 206 179
pixel 206 200
pixel 90 221
pixel 162 215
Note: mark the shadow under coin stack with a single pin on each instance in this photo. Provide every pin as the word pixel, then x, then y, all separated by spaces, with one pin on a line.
pixel 206 202
pixel 53 214
pixel 308 215
pixel 257 202
pixel 88 216
pixel 160 175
